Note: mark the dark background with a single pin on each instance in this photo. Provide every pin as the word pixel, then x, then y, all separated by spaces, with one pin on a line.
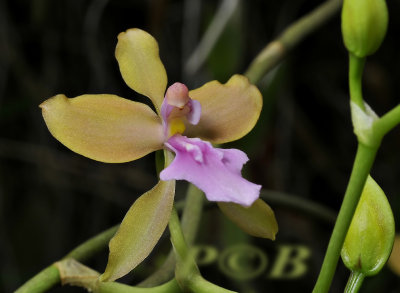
pixel 52 199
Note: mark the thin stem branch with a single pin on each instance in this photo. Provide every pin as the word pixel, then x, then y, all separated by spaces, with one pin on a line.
pixel 43 281
pixel 187 273
pixel 356 67
pixel 112 287
pixel 200 285
pixel 388 121
pixel 192 212
pixel 210 38
pixel 275 51
pixel 49 277
pixel 299 204
pixel 354 283
pixel 92 246
pixel 177 238
pixel 362 165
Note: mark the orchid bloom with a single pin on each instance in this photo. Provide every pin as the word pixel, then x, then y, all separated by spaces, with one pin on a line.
pixel 112 129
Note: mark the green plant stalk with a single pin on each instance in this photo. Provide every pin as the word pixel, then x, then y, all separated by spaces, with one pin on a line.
pixel 299 204
pixel 361 168
pixel 387 122
pixel 356 67
pixel 177 238
pixel 74 273
pixel 43 281
pixel 187 273
pixel 92 246
pixel 50 276
pixel 354 283
pixel 112 287
pixel 276 50
pixel 200 285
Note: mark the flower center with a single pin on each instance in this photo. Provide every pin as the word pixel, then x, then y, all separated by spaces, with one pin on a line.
pixel 178 106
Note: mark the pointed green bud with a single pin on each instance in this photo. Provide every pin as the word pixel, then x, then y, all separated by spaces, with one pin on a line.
pixel 364 25
pixel 369 240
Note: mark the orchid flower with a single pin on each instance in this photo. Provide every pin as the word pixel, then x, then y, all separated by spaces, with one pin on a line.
pixel 112 129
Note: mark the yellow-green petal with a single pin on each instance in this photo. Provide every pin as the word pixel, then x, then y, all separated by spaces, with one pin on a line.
pixel 140 64
pixel 228 111
pixel 105 128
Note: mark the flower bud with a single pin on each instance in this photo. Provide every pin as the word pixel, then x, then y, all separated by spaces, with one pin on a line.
pixel 364 25
pixel 369 240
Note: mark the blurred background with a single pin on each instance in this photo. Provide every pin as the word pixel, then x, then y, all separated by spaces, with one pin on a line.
pixel 52 199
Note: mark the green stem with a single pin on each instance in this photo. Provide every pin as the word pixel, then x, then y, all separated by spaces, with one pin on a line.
pixel 49 277
pixel 177 238
pixel 299 204
pixel 186 266
pixel 76 274
pixel 199 285
pixel 92 246
pixel 275 51
pixel 191 214
pixel 354 283
pixel 356 67
pixel 387 122
pixel 43 281
pixel 187 273
pixel 362 165
pixel 112 287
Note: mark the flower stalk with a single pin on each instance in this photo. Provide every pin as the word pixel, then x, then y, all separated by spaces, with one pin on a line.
pixel 276 51
pixel 354 283
pixel 187 273
pixel 356 67
pixel 362 33
pixel 363 162
pixel 49 277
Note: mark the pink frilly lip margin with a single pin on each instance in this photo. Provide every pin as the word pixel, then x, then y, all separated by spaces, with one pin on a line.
pixel 217 172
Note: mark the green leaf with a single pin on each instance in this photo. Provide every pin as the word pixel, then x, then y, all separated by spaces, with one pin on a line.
pixel 257 220
pixel 140 230
pixel 370 237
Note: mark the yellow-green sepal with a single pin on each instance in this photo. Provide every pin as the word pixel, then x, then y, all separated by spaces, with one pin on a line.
pixel 140 64
pixel 257 220
pixel 140 230
pixel 106 128
pixel 370 237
